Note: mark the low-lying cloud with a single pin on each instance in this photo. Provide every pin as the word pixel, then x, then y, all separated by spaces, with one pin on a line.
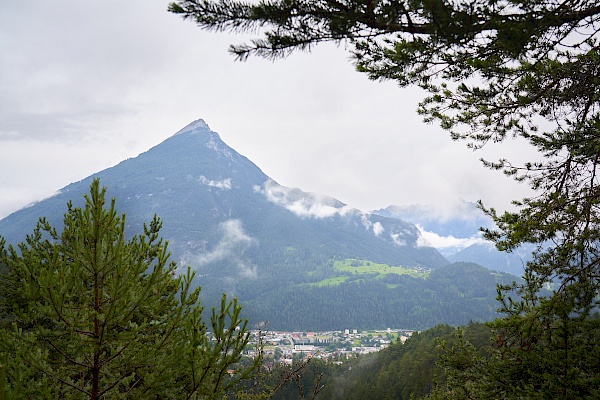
pixel 303 204
pixel 224 184
pixel 233 243
pixel 432 239
pixel 398 241
pixel 376 227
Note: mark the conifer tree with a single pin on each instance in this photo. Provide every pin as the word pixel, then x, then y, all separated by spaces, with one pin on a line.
pixel 94 315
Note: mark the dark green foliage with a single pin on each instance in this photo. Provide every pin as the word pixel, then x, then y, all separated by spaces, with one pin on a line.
pixel 534 356
pixel 454 294
pixel 404 370
pixel 93 315
pixel 5 316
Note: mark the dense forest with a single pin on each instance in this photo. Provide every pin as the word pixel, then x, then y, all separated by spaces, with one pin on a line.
pixel 406 370
pixel 455 294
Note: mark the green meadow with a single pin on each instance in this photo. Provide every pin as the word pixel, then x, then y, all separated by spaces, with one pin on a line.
pixel 351 270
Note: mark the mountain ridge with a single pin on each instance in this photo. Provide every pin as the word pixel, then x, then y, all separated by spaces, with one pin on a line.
pixel 241 231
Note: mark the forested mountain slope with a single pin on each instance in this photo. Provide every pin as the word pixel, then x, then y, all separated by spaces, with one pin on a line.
pixel 269 245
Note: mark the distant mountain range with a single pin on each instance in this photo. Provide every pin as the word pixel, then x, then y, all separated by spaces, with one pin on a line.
pixel 270 245
pixel 450 230
pixel 455 232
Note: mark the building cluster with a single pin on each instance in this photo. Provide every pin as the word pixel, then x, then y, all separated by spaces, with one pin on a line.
pixel 285 347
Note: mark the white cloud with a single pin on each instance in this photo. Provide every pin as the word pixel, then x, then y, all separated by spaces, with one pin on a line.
pixel 234 241
pixel 396 239
pixel 364 218
pixel 378 228
pixel 303 204
pixel 224 184
pixel 432 239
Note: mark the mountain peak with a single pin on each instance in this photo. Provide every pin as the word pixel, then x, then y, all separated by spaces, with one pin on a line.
pixel 198 124
pixel 209 138
pixel 243 233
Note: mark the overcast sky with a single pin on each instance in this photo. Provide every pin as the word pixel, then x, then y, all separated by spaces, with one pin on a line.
pixel 85 84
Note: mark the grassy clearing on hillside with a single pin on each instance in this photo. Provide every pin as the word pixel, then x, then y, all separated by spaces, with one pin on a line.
pixel 367 267
pixel 351 269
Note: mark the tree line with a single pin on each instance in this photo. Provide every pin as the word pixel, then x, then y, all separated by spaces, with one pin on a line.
pixel 455 294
